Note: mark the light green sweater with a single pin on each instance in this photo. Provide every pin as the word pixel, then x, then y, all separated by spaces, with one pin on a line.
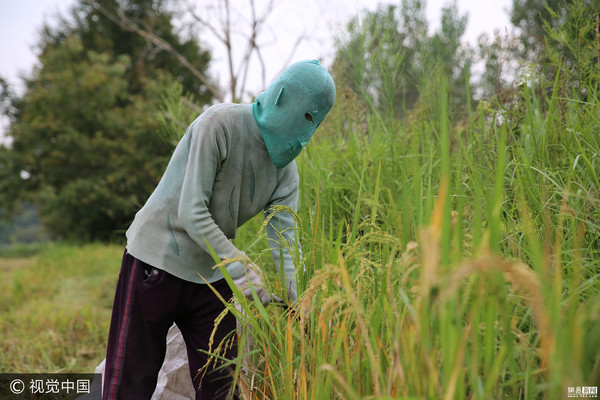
pixel 219 177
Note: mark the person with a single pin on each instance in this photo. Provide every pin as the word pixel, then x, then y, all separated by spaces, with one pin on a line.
pixel 233 162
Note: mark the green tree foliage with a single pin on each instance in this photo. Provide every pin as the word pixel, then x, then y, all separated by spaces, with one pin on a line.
pixel 97 24
pixel 379 61
pixel 22 227
pixel 453 57
pixel 388 56
pixel 84 143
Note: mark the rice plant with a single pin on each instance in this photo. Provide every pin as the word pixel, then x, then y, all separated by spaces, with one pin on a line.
pixel 443 258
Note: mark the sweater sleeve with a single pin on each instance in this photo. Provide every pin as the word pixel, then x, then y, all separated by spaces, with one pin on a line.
pixel 283 237
pixel 207 148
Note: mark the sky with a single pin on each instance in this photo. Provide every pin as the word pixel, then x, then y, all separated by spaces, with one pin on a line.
pixel 320 21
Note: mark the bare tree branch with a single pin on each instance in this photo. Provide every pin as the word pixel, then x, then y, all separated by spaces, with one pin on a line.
pixel 124 22
pixel 239 34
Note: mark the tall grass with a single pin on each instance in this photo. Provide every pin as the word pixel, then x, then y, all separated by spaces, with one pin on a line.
pixel 444 258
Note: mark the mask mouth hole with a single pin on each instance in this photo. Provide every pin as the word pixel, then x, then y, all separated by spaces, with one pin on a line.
pixel 308 117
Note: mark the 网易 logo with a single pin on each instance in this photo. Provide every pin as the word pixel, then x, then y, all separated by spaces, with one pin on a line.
pixel 582 391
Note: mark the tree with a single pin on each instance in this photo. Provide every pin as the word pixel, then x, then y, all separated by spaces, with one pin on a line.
pixel 379 60
pixel 542 30
pixel 454 57
pixel 507 53
pixel 85 146
pixel 387 55
pixel 147 27
pixel 527 17
pixel 21 227
pixel 105 26
pixel 549 35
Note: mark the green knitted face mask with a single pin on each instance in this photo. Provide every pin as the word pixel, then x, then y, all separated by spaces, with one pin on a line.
pixel 291 109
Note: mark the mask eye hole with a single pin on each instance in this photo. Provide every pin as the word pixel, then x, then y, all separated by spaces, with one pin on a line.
pixel 308 117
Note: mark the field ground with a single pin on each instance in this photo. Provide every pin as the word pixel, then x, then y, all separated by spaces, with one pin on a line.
pixel 55 308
